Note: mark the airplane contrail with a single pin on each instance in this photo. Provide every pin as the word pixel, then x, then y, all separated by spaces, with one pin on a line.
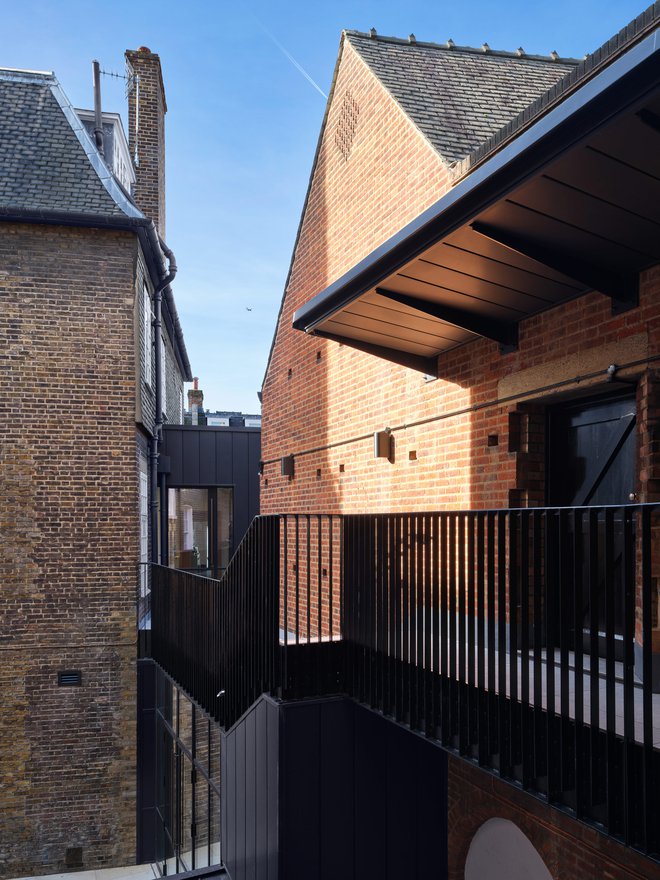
pixel 288 55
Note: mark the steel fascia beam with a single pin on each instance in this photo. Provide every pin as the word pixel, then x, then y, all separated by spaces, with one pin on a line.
pixel 621 287
pixel 490 328
pixel 428 366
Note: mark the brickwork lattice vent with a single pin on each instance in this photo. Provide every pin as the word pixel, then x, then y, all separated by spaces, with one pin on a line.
pixel 69 678
pixel 347 125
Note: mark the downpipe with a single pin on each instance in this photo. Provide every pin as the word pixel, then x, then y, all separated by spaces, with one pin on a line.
pixel 157 432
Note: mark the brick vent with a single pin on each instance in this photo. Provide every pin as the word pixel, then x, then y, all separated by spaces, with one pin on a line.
pixel 347 125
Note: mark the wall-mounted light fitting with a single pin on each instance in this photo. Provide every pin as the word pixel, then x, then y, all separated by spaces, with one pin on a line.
pixel 382 443
pixel 287 467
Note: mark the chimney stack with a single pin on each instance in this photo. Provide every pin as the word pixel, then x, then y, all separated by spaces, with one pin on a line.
pixel 195 401
pixel 146 132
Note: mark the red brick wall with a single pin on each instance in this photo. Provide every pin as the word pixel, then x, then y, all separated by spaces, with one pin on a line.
pixel 354 204
pixel 322 402
pixel 570 850
pixel 320 394
pixel 448 462
pixel 68 516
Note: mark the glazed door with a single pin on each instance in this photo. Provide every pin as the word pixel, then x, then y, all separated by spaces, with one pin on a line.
pixel 592 462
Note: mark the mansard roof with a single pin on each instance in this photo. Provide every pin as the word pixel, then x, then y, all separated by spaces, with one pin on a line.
pixel 48 162
pixel 458 96
pixel 52 172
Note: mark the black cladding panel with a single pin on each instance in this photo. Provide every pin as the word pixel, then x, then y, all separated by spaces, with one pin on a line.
pixel 203 456
pixel 324 788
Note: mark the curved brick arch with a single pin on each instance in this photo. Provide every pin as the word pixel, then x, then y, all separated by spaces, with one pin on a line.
pixel 500 851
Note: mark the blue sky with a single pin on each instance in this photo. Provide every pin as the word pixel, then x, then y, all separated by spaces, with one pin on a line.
pixel 242 127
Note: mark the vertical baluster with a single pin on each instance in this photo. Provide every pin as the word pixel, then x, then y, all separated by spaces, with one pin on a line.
pixel 538 602
pixel 526 716
pixel 481 640
pixel 628 575
pixel 552 586
pixel 366 580
pixel 612 782
pixel 493 747
pixel 331 576
pixel 297 583
pixel 347 600
pixel 435 621
pixel 650 829
pixel 594 681
pixel 406 619
pixel 374 616
pixel 392 598
pixel 514 706
pixel 502 704
pixel 400 537
pixel 461 687
pixel 445 647
pixel 364 577
pixel 357 556
pixel 285 651
pixel 428 626
pixel 472 694
pixel 578 608
pixel 275 568
pixel 308 572
pixel 382 613
pixel 453 636
pixel 417 640
pixel 419 620
pixel 565 616
pixel 319 688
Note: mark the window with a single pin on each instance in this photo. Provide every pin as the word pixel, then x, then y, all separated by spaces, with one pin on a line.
pixel 200 529
pixel 147 333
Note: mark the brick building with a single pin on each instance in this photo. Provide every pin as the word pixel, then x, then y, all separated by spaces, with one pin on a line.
pixel 93 361
pixel 464 207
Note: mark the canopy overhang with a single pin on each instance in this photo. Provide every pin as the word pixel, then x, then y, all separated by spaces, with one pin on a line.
pixel 570 205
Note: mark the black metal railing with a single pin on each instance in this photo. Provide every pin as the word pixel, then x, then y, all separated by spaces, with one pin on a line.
pixel 218 639
pixel 521 639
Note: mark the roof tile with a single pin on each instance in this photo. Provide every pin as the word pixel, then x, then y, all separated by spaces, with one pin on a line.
pixel 457 97
pixel 42 164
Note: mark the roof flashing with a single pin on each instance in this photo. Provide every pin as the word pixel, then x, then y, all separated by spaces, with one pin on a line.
pixel 450 46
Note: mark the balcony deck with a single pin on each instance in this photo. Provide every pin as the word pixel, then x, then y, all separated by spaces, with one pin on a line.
pixel 444 622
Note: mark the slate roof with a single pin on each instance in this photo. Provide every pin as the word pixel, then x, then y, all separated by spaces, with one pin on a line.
pixel 46 162
pixel 457 96
pixel 590 65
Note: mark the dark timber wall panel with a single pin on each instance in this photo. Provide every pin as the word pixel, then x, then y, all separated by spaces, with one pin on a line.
pixel 203 456
pixel 322 789
pixel 250 766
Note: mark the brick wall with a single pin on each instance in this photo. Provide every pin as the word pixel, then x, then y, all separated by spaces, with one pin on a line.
pixel 145 401
pixel 473 438
pixel 570 850
pixel 323 401
pixel 173 386
pixel 353 204
pixel 68 508
pixel 146 105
